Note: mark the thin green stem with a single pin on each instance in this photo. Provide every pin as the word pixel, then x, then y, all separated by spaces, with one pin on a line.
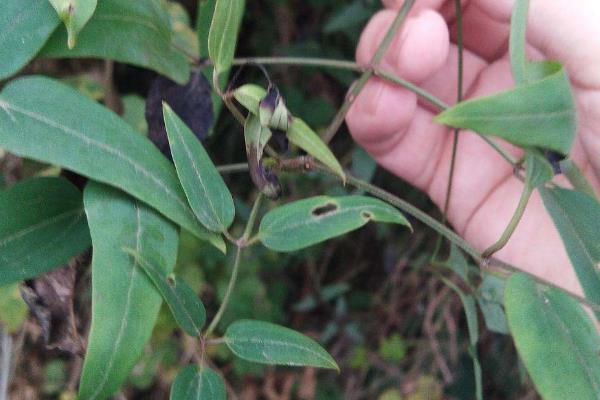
pixel 333 128
pixel 300 61
pixel 251 219
pixel 230 287
pixel 455 137
pixel 413 88
pixel 232 168
pixel 512 224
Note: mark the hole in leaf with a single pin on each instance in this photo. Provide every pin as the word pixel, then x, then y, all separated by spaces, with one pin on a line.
pixel 324 209
pixel 367 215
pixel 171 280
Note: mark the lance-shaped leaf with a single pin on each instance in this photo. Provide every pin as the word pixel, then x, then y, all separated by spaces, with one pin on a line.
pixel 577 218
pixel 125 303
pixel 186 307
pixel 134 32
pixel 43 226
pixel 541 113
pixel 309 221
pixel 555 339
pixel 267 343
pixel 206 191
pixel 74 14
pixel 87 138
pixel 25 25
pixel 250 95
pixel 256 137
pixel 200 384
pixel 304 137
pixel 272 110
pixel 223 34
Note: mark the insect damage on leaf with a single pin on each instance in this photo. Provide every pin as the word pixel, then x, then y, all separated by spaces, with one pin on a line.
pixel 324 209
pixel 192 102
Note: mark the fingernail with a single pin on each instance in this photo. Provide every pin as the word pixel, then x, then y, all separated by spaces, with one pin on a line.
pixel 369 98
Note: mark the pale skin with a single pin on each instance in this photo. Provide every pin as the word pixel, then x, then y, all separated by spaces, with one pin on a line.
pixel 396 128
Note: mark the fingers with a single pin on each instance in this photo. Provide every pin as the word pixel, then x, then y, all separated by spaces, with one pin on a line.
pixel 418 49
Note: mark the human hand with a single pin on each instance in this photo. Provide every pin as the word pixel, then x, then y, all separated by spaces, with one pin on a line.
pixel 397 129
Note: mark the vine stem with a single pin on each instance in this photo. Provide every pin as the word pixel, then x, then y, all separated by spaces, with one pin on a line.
pixel 307 164
pixel 240 245
pixel 338 120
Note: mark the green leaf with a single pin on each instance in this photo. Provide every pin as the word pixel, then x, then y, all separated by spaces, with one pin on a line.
pixel 206 191
pixel 133 113
pixel 134 32
pixel 203 384
pixel 302 136
pixel 266 343
pixel 183 36
pixel 74 14
pixel 491 300
pixel 89 139
pixel 309 221
pixel 299 133
pixel 555 339
pixel 577 218
pixel 13 310
pixel 223 33
pixel 25 27
pixel 256 137
pixel 538 170
pixel 576 178
pixel 43 226
pixel 540 114
pixel 250 95
pixel 186 307
pixel 125 303
pixel 518 30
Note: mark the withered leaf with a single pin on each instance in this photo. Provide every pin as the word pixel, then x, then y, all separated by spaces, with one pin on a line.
pixel 192 102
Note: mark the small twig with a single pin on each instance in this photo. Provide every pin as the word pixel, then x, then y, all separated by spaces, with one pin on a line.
pixel 362 81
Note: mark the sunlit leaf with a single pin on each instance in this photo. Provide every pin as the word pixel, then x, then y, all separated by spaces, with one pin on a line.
pixel 267 343
pixel 306 222
pixel 555 339
pixel 43 226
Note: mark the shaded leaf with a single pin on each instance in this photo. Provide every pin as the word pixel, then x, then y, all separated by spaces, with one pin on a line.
pixel 74 14
pixel 206 191
pixel 577 219
pixel 326 294
pixel 183 36
pixel 25 27
pixel 267 343
pixel 491 300
pixel 43 226
pixel 93 142
pixel 256 138
pixel 555 339
pixel 199 384
pixel 133 113
pixel 538 170
pixel 223 34
pixel 309 221
pixel 540 114
pixel 133 32
pixel 13 310
pixel 186 307
pixel 191 102
pixel 125 303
